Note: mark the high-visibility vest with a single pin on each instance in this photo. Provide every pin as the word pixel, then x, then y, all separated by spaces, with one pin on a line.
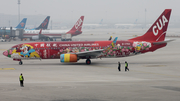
pixel 125 64
pixel 20 77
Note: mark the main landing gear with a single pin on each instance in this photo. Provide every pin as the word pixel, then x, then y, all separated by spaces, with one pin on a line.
pixel 20 62
pixel 88 61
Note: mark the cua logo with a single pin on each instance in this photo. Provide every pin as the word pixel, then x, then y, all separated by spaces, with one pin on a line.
pixel 78 23
pixel 162 23
pixel 22 24
pixel 44 23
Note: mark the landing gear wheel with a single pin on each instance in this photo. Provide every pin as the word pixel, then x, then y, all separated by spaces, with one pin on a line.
pixel 88 61
pixel 20 62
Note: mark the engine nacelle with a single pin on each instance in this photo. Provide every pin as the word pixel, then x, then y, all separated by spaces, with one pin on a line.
pixel 35 37
pixel 68 58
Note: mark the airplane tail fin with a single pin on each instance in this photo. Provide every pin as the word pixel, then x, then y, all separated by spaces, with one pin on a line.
pixel 157 31
pixel 135 22
pixel 44 24
pixel 77 27
pixel 22 24
pixel 101 21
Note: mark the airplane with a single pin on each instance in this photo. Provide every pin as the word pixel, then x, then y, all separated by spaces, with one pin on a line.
pixel 76 30
pixel 5 32
pixel 128 25
pixel 21 25
pixel 100 24
pixel 43 25
pixel 41 37
pixel 72 51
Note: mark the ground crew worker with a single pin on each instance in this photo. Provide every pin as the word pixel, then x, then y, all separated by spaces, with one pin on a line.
pixel 110 38
pixel 119 66
pixel 126 66
pixel 21 79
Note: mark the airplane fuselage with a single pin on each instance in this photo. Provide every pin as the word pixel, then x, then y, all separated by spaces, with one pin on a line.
pixel 51 33
pixel 53 50
pixel 72 51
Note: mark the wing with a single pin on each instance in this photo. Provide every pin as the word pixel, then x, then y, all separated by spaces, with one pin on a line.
pixel 91 54
pixel 95 53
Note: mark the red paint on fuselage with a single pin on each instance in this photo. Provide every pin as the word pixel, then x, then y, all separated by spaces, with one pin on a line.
pixel 52 50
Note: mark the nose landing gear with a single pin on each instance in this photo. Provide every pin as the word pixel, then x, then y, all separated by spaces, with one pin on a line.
pixel 20 62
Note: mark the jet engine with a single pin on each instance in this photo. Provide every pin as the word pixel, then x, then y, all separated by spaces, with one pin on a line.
pixel 68 58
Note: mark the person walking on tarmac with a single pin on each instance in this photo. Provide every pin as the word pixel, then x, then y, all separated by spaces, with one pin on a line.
pixel 110 38
pixel 119 66
pixel 21 79
pixel 126 66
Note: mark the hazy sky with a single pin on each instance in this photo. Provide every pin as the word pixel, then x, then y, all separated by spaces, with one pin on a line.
pixel 93 10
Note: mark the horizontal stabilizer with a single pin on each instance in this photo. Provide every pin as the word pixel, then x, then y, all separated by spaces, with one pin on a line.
pixel 162 42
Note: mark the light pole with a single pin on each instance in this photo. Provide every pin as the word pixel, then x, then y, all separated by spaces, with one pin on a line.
pixel 19 10
pixel 145 17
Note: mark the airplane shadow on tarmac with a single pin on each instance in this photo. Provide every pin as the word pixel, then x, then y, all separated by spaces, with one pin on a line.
pixel 94 63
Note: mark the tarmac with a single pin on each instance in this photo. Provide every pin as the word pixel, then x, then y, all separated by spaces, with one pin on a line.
pixel 153 76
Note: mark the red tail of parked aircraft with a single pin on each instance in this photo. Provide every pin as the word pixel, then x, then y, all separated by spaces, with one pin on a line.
pixel 77 27
pixel 157 31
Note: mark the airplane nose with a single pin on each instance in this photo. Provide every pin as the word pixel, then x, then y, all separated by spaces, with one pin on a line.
pixel 7 53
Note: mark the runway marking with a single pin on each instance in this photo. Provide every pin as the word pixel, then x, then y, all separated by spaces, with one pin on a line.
pixel 148 72
pixel 155 65
pixel 156 73
pixel 7 69
pixel 100 66
pixel 3 49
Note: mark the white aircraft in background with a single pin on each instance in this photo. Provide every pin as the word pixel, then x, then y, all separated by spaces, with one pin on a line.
pixel 128 25
pixel 93 26
pixel 21 25
pixel 76 30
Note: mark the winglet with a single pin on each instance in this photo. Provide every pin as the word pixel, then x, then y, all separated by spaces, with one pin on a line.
pixel 112 44
pixel 114 41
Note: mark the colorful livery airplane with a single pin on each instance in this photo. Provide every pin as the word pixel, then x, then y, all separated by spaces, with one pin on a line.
pixel 76 30
pixel 73 51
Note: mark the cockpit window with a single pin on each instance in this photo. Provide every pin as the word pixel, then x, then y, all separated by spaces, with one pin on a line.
pixel 12 48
